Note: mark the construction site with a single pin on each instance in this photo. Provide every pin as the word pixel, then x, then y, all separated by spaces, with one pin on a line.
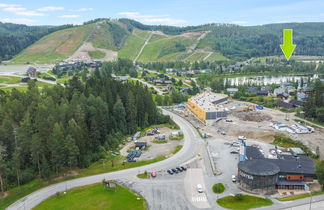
pixel 255 122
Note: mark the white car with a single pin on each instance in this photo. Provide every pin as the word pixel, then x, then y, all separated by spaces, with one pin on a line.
pixel 233 178
pixel 200 188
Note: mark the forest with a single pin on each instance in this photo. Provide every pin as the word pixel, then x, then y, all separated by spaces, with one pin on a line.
pixel 314 106
pixel 14 37
pixel 43 132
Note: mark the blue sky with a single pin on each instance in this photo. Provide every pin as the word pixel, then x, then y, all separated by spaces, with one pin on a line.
pixel 165 12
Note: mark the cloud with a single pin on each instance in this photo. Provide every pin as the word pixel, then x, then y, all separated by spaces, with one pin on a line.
pixel 81 10
pixel 69 16
pixel 14 9
pixel 239 22
pixel 50 9
pixel 152 19
pixel 30 13
pixel 166 21
pixel 139 15
pixel 9 5
pixel 22 11
pixel 322 14
pixel 18 20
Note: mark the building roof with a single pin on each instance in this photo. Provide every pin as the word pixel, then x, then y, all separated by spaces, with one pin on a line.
pixel 206 101
pixel 294 165
pixel 285 105
pixel 253 153
pixel 232 89
pixel 259 167
pixel 296 103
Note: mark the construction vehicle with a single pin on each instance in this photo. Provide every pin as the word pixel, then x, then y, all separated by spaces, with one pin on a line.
pixel 249 108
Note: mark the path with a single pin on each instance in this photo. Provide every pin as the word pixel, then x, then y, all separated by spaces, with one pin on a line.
pixel 209 54
pixel 142 48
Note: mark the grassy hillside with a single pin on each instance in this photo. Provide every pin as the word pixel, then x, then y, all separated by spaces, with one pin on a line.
pixel 156 50
pixel 133 44
pixel 222 42
pixel 56 46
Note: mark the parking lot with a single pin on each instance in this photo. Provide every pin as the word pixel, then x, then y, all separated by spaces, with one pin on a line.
pixel 153 149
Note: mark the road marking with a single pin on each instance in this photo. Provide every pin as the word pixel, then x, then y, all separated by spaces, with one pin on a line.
pixel 199 199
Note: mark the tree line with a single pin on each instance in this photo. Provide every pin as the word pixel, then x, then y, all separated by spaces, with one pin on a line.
pixel 45 131
pixel 314 106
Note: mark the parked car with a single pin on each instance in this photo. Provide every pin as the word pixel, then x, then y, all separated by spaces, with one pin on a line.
pixel 233 178
pixel 170 172
pixel 179 169
pixel 174 171
pixel 228 120
pixel 183 168
pixel 200 188
pixel 153 174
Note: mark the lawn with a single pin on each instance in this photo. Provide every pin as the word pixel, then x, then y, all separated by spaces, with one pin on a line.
pixel 97 54
pixel 177 149
pixel 94 197
pixel 247 202
pixel 296 197
pixel 218 188
pixel 142 175
pixel 9 80
pixel 160 141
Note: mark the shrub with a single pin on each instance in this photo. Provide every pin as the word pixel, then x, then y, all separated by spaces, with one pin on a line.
pixel 218 188
pixel 238 197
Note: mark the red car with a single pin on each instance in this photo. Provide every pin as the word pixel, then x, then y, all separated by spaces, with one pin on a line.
pixel 153 174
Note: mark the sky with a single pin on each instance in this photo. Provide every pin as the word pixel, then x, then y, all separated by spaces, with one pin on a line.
pixel 162 12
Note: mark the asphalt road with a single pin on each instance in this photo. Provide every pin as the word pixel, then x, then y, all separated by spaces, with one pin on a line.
pixel 186 153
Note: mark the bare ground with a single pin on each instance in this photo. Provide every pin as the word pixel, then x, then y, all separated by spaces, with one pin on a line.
pixel 82 53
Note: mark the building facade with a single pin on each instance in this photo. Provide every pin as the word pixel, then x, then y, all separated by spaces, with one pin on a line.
pixel 207 106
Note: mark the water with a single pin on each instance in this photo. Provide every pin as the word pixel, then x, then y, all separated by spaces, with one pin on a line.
pixel 268 80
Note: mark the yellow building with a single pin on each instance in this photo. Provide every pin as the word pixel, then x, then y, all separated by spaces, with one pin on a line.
pixel 207 106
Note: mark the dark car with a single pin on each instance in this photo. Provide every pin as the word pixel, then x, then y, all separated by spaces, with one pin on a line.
pixel 174 171
pixel 170 172
pixel 234 152
pixel 179 169
pixel 183 168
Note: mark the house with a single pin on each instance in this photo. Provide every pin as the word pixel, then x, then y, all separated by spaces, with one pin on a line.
pixel 169 70
pixel 301 96
pixel 283 96
pixel 257 91
pixel 266 88
pixel 284 105
pixel 31 72
pixel 307 90
pixel 252 90
pixel 232 91
pixel 122 78
pixel 296 103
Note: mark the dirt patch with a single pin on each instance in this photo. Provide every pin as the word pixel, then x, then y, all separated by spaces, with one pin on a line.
pixel 252 116
pixel 68 174
pixel 3 195
pixel 82 53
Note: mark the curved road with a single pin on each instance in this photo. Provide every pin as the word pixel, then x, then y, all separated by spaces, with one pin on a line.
pixel 186 153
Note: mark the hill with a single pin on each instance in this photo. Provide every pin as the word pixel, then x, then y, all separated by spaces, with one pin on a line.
pixel 108 39
pixel 16 37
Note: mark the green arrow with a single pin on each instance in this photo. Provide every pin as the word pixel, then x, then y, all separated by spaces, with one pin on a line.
pixel 288 47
